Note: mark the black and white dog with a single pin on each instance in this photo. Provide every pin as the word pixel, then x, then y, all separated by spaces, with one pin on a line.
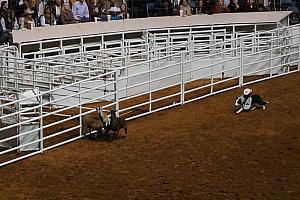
pixel 248 101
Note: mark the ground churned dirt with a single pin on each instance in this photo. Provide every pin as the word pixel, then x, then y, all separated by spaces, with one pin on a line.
pixel 201 150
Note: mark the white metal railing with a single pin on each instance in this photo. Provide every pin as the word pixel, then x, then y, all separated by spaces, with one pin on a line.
pixel 162 79
pixel 45 48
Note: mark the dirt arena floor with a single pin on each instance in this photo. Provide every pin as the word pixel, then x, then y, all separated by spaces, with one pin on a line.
pixel 201 150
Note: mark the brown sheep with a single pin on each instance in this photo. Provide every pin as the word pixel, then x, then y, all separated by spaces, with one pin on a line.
pixel 90 123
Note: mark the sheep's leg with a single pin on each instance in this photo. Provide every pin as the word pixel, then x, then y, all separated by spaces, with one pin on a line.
pixel 84 132
pixel 91 135
pixel 115 135
pixel 106 134
pixel 99 132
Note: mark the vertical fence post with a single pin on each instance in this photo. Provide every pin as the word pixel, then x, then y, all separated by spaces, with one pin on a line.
pixel 16 72
pixel 182 56
pixel 242 45
pixel 41 125
pixel 150 81
pixel 213 42
pixel 18 106
pixel 80 110
pixel 34 74
pixel 298 33
pixel 271 55
pixel 117 106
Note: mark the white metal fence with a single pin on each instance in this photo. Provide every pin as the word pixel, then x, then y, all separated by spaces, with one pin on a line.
pixel 136 79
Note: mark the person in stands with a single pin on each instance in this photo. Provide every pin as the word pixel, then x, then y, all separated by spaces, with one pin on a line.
pixel 123 12
pixel 166 9
pixel 186 9
pixel 66 15
pixel 250 6
pixel 234 6
pixel 81 11
pixel 220 7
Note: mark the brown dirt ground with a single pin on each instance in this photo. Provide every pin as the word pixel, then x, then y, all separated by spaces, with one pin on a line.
pixel 201 150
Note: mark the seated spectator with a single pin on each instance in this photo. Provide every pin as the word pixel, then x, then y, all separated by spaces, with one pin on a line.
pixel 234 6
pixel 250 7
pixel 57 11
pixel 220 7
pixel 208 6
pixel 187 10
pixel 200 7
pixel 123 12
pixel 193 6
pixel 105 5
pixel 95 10
pixel 266 5
pixel 27 21
pixel 66 15
pixel 114 10
pixel 49 16
pixel 242 4
pixel 81 11
pixel 13 23
pixel 166 9
pixel 34 8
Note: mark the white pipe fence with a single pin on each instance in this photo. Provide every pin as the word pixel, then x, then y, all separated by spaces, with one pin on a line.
pixel 144 81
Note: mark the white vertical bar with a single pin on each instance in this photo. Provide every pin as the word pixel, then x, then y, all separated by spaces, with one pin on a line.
pixel 241 80
pixel 289 42
pixel 16 72
pixel 182 78
pixel 80 110
pixel 33 74
pixel 150 94
pixel 150 81
pixel 81 44
pixel 298 33
pixel 18 120
pixel 212 62
pixel 271 56
pixel 117 92
pixel 41 124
